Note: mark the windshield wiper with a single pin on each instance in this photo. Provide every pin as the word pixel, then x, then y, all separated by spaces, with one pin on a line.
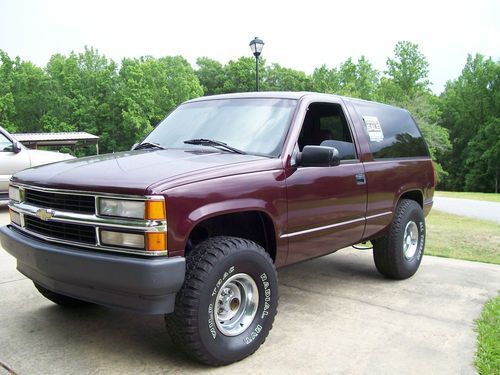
pixel 213 143
pixel 149 145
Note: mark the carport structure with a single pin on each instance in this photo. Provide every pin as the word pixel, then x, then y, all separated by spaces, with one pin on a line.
pixel 34 140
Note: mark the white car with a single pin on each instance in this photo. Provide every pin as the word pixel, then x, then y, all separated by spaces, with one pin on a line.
pixel 15 157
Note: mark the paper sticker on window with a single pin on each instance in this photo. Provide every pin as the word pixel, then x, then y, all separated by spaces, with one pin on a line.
pixel 374 129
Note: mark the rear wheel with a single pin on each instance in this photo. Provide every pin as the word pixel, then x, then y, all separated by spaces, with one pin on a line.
pixel 60 299
pixel 228 302
pixel 398 254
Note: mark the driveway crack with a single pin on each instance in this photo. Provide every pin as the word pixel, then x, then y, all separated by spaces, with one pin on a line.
pixel 7 367
pixel 12 281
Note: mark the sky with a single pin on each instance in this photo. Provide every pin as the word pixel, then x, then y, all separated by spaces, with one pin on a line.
pixel 301 35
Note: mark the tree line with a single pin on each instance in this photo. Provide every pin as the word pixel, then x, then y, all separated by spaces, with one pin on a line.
pixel 122 102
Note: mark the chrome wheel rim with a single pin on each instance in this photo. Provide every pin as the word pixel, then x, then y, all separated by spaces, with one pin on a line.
pixel 410 240
pixel 236 304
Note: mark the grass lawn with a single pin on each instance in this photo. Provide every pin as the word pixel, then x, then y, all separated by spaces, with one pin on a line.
pixel 453 236
pixel 491 197
pixel 488 341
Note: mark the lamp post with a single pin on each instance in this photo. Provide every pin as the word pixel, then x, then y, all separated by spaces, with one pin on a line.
pixel 256 46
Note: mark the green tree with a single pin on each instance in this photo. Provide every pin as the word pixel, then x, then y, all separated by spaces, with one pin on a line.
pixel 148 89
pixel 96 110
pixel 211 75
pixel 239 75
pixel 182 81
pixel 483 159
pixel 406 85
pixel 347 78
pixel 358 79
pixel 325 80
pixel 408 68
pixel 82 96
pixel 367 79
pixel 278 78
pixel 7 107
pixel 471 109
pixel 29 89
pixel 88 92
pixel 406 74
pixel 63 75
pixel 425 110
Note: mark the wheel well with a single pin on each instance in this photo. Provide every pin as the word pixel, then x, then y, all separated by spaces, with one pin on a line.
pixel 415 195
pixel 252 225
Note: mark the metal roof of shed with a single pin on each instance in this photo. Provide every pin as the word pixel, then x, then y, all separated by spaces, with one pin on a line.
pixel 56 138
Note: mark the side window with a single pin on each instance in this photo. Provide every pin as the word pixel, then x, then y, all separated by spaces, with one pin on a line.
pixel 5 144
pixel 325 125
pixel 391 131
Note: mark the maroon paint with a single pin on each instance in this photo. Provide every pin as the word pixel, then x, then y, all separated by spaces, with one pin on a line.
pixel 200 185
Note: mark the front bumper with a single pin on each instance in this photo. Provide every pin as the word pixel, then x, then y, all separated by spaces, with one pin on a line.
pixel 137 284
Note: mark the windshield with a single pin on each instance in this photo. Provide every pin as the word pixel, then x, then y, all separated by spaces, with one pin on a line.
pixel 255 126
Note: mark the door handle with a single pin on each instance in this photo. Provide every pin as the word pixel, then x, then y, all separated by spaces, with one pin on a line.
pixel 360 179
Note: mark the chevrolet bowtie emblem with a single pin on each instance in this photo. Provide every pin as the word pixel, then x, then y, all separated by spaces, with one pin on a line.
pixel 45 214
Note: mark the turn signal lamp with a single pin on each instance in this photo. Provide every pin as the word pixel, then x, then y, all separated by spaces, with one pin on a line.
pixel 156 241
pixel 155 210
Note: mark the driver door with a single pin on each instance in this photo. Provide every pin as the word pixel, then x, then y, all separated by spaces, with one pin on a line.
pixel 326 205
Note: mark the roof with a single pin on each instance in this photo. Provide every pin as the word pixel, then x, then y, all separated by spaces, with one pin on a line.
pixel 46 139
pixel 284 95
pixel 263 94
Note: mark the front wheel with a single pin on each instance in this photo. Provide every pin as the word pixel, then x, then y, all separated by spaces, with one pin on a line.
pixel 228 302
pixel 398 254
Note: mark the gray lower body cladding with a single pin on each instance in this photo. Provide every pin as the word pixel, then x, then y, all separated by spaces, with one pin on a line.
pixel 144 285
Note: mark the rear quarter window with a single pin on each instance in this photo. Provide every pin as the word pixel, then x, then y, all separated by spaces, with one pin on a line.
pixel 391 131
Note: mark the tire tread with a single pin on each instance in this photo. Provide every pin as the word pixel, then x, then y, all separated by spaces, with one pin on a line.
pixel 384 252
pixel 181 324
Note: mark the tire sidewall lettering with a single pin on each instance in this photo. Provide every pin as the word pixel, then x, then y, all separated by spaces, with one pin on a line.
pixel 242 266
pixel 220 282
pixel 267 295
pixel 417 218
pixel 421 239
pixel 265 308
pixel 211 306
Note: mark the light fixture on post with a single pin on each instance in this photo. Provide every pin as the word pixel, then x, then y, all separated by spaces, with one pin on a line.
pixel 256 46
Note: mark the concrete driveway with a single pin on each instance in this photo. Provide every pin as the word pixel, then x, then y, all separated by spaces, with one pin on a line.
pixel 469 207
pixel 336 315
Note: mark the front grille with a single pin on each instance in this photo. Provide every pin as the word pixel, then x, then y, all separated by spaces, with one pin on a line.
pixel 57 201
pixel 64 231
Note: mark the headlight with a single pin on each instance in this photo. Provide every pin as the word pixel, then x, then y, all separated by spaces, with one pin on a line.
pixel 15 194
pixel 122 208
pixel 150 208
pixel 153 209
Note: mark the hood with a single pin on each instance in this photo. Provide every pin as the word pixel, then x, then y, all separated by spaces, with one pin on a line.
pixel 39 157
pixel 141 172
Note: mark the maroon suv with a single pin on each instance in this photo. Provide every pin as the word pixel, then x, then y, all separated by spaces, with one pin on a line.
pixel 193 222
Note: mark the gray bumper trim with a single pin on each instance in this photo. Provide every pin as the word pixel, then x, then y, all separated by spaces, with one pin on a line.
pixel 119 281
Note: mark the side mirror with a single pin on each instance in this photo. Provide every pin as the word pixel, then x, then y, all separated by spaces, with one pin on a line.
pixel 318 156
pixel 134 146
pixel 16 147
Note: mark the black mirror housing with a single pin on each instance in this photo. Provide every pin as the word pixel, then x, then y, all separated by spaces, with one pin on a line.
pixel 318 156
